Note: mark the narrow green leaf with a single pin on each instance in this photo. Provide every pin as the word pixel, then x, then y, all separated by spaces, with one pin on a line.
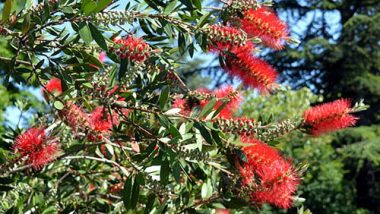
pixel 181 43
pixel 101 5
pixel 164 97
pixel 150 203
pixel 88 6
pixel 127 192
pixel 26 24
pixel 98 36
pixel 163 120
pixel 204 190
pixel 46 8
pixel 204 132
pixel 5 188
pixel 85 34
pixel 92 60
pixel 219 109
pixel 216 137
pixel 198 4
pixel 123 68
pixel 168 9
pixel 152 4
pixel 174 131
pixel 208 108
pixel 177 172
pixel 135 194
pixel 6 180
pixel 241 155
pixel 164 172
pixel 7 10
pixel 203 20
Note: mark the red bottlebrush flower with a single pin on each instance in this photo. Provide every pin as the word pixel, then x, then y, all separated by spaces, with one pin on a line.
pixel 233 104
pixel 44 156
pixel 226 92
pixel 30 141
pixel 181 104
pixel 253 71
pixel 74 116
pixel 102 121
pixel 266 25
pixel 32 144
pixel 114 91
pixel 131 48
pixel 54 86
pixel 278 180
pixel 329 117
pixel 225 38
pixel 278 184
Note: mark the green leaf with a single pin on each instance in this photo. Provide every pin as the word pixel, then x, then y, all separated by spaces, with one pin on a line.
pixel 127 192
pixel 208 108
pixel 92 60
pixel 102 4
pixel 177 172
pixel 181 43
pixel 7 10
pixel 164 172
pixel 164 97
pixel 163 120
pixel 46 8
pixel 88 6
pixel 26 24
pixel 204 190
pixel 203 20
pixel 198 4
pixel 241 155
pixel 150 203
pixel 135 194
pixel 174 131
pixel 152 4
pixel 215 135
pixel 98 36
pixel 6 180
pixel 169 9
pixel 220 108
pixel 5 188
pixel 123 68
pixel 204 132
pixel 85 34
pixel 58 105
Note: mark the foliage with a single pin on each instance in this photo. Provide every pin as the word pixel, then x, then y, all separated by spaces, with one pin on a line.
pixel 124 133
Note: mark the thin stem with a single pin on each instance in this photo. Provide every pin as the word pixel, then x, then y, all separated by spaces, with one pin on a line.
pixel 197 203
pixel 103 160
pixel 6 59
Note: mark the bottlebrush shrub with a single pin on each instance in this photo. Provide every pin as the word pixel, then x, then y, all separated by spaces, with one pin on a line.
pixel 127 134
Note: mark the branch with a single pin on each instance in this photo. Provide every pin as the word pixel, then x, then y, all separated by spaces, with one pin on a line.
pixel 103 160
pixel 17 61
pixel 197 203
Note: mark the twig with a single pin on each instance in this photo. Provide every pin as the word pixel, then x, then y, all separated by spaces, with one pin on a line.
pixel 197 203
pixel 103 160
pixel 17 61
